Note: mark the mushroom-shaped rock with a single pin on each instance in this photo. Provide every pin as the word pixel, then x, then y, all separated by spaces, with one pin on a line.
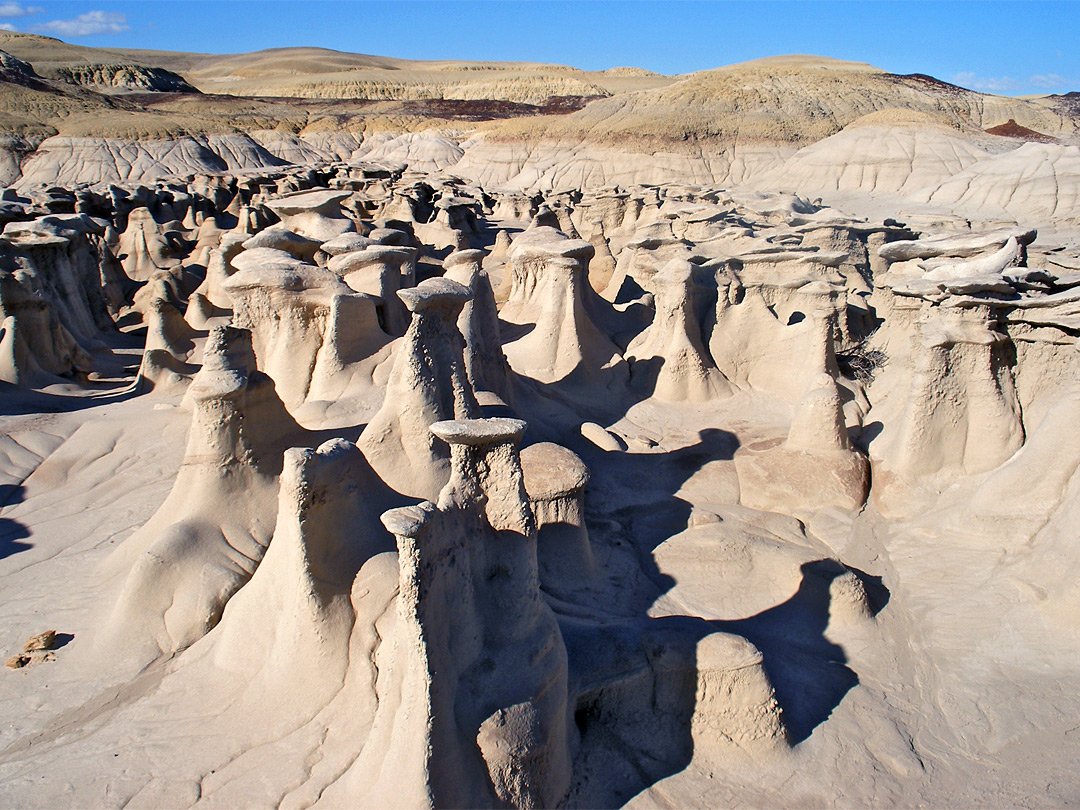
pixel 428 383
pixel 170 342
pixel 473 708
pixel 345 243
pixel 458 213
pixel 310 331
pixel 289 627
pixel 551 297
pixel 479 325
pixel 380 271
pixel 294 244
pixel 388 234
pixel 207 538
pixel 63 260
pixel 517 207
pixel 555 480
pixel 449 229
pixel 314 214
pixel 669 358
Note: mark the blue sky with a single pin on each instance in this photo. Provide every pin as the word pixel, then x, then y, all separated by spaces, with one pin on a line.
pixel 1000 47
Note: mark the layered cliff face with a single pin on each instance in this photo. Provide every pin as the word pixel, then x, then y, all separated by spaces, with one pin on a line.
pixel 425 470
pixel 127 77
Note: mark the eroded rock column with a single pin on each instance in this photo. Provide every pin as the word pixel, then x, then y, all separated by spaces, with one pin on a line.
pixel 428 383
pixel 482 718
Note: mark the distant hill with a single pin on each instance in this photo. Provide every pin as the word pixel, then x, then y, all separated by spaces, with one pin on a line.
pixel 795 99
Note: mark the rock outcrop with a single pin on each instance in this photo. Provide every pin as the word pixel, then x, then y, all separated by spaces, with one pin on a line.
pixel 126 77
pixel 476 711
pixel 312 334
pixel 551 300
pixel 180 569
pixel 428 383
pixel 669 358
pixel 478 323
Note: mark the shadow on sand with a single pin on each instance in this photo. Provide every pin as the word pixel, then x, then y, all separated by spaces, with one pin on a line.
pixel 11 531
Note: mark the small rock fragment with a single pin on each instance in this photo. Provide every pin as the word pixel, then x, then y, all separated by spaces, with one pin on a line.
pixel 42 641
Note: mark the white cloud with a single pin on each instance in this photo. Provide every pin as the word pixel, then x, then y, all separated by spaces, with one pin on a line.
pixel 88 24
pixel 1007 84
pixel 11 9
pixel 7 27
pixel 1048 81
pixel 987 84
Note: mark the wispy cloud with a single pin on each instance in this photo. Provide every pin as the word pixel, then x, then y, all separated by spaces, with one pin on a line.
pixel 1048 81
pixel 1007 84
pixel 18 10
pixel 987 84
pixel 7 27
pixel 86 25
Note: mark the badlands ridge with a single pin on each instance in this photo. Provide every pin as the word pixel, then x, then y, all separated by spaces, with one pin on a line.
pixel 401 434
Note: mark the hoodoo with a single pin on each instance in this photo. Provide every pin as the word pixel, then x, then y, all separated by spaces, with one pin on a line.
pixel 481 716
pixel 681 369
pixel 551 299
pixel 428 383
pixel 478 323
pixel 207 538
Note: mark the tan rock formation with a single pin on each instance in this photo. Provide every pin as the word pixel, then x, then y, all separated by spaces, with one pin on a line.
pixel 478 323
pixel 205 541
pixel 958 410
pixel 289 627
pixel 36 347
pixel 144 246
pixel 311 333
pixel 379 271
pixel 170 343
pixel 669 358
pixel 555 480
pixel 218 269
pixel 815 467
pixel 316 215
pixel 428 383
pixel 475 712
pixel 809 267
pixel 552 299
